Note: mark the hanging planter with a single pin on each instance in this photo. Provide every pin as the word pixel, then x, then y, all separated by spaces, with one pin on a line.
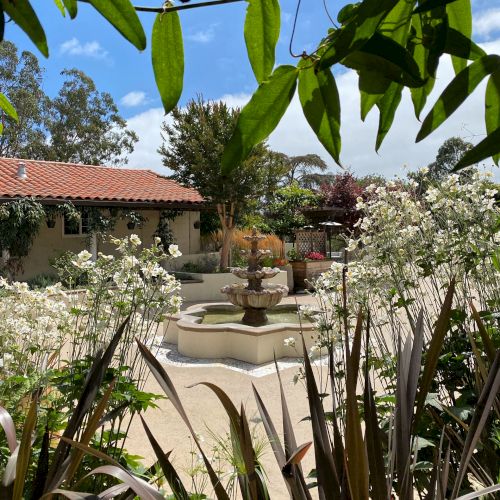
pixel 131 225
pixel 51 223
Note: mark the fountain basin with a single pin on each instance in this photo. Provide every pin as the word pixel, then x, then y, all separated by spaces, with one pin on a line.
pixel 251 344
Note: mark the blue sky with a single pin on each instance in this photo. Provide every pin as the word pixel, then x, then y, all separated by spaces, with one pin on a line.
pixel 217 67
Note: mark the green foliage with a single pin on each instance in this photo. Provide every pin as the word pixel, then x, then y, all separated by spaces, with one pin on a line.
pixel 19 224
pixel 193 149
pixel 283 211
pixel 21 82
pixel 168 63
pixel 22 13
pixel 457 91
pixel 43 280
pixel 163 230
pixel 84 125
pixel 121 14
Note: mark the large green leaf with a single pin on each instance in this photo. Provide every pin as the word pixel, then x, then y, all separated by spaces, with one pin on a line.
pixel 492 106
pixel 460 19
pixel 260 116
pixel 22 13
pixel 357 31
pixel 60 6
pixel 490 146
pixel 388 107
pixel 71 7
pixel 372 88
pixel 431 4
pixel 387 57
pixel 262 30
pixel 373 83
pixel 420 53
pixel 457 91
pixel 122 15
pixel 461 46
pixel 7 107
pixel 167 53
pixel 320 101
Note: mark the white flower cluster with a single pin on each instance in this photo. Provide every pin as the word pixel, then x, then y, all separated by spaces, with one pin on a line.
pixel 33 324
pixel 131 282
pixel 410 245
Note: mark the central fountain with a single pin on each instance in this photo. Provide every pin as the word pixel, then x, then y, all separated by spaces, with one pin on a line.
pixel 254 297
pixel 217 330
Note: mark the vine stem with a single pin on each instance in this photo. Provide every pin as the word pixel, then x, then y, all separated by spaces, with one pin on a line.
pixel 179 7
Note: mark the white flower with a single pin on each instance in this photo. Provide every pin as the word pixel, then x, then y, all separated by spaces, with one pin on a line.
pixel 173 250
pixel 289 342
pixel 157 240
pixel 424 170
pixel 130 262
pixel 84 255
pixel 135 240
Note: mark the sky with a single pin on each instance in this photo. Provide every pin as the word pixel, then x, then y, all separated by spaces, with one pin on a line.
pixel 217 67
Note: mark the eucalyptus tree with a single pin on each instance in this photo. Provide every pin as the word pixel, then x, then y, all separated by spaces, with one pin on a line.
pixel 80 124
pixel 393 45
pixel 84 125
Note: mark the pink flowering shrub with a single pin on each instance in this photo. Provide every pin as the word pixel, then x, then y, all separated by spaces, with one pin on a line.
pixel 315 256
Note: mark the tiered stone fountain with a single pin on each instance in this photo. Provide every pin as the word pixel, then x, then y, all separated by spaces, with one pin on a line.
pixel 255 298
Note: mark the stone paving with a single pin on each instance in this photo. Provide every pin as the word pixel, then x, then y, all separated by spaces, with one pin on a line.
pixel 206 413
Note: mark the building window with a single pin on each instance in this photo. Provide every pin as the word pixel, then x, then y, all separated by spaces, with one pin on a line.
pixel 76 228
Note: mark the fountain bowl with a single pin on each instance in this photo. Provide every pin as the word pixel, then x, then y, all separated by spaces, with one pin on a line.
pixel 268 297
pixel 264 273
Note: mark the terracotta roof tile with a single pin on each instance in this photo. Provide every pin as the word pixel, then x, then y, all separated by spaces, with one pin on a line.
pixel 71 181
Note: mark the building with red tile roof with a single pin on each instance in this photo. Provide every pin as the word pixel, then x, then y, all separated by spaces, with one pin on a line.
pixel 89 184
pixel 115 192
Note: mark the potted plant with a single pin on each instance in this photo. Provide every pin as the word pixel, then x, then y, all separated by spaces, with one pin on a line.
pixel 308 267
pixel 134 219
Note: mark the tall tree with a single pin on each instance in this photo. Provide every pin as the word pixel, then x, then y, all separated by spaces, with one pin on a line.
pixel 307 170
pixel 449 154
pixel 84 125
pixel 21 81
pixel 192 150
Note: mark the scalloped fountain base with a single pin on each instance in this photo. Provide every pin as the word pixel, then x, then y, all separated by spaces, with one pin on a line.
pixel 230 339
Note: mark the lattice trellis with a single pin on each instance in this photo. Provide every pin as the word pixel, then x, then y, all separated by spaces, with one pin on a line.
pixel 310 241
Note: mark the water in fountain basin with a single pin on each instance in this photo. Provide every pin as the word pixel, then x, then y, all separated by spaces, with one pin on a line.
pixel 231 316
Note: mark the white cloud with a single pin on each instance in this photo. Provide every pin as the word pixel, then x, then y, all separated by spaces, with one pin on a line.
pixel 134 98
pixel 293 135
pixel 74 47
pixel 487 22
pixel 147 127
pixel 203 36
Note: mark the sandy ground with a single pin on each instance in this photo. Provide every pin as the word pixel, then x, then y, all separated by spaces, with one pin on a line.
pixel 208 416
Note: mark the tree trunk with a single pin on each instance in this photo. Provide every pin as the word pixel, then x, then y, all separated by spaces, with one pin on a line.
pixel 226 216
pixel 227 238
